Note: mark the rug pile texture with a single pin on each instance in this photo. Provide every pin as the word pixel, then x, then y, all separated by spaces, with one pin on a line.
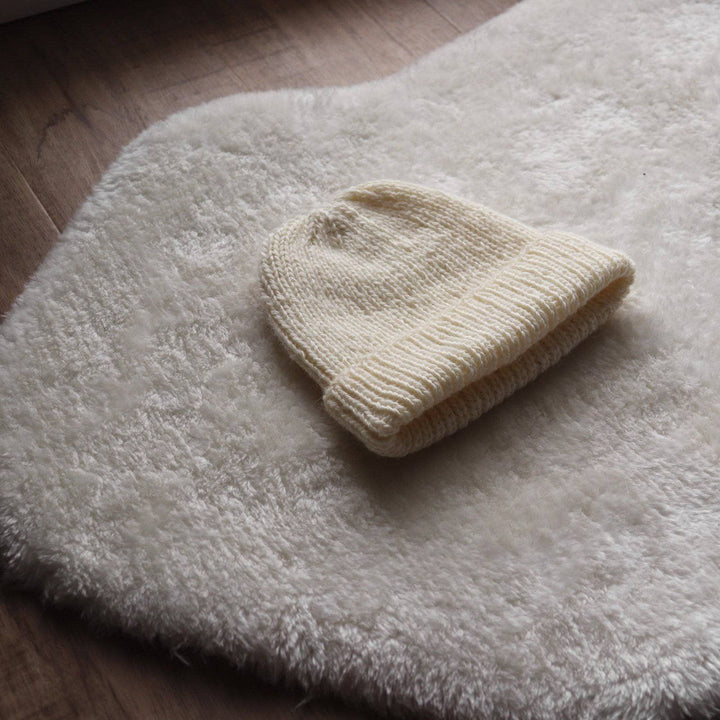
pixel 167 467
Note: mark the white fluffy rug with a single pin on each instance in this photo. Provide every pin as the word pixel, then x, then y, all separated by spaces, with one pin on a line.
pixel 165 464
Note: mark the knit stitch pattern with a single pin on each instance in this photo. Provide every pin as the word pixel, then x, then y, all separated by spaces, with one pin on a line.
pixel 416 311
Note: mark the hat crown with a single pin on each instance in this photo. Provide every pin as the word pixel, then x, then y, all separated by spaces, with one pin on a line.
pixel 377 261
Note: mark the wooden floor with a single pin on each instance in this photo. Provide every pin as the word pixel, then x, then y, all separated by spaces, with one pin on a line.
pixel 75 85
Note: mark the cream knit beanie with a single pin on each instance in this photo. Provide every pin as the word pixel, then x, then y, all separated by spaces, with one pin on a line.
pixel 416 312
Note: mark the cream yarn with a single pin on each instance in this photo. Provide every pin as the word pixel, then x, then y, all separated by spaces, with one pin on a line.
pixel 416 312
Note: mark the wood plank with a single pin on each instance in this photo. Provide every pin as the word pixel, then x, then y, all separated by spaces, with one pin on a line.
pixel 53 665
pixel 414 25
pixel 40 677
pixel 27 689
pixel 336 43
pixel 65 125
pixel 27 232
pixel 157 60
pixel 464 15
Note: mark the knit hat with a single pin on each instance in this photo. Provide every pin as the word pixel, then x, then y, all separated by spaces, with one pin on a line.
pixel 416 312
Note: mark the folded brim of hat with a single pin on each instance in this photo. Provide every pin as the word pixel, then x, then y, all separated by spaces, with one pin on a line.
pixel 436 378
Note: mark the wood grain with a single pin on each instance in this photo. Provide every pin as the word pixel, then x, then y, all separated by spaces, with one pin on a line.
pixel 77 84
pixel 27 231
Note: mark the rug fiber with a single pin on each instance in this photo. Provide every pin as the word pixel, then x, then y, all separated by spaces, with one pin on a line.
pixel 165 466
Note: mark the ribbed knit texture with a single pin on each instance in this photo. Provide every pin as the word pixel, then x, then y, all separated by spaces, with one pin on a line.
pixel 416 312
